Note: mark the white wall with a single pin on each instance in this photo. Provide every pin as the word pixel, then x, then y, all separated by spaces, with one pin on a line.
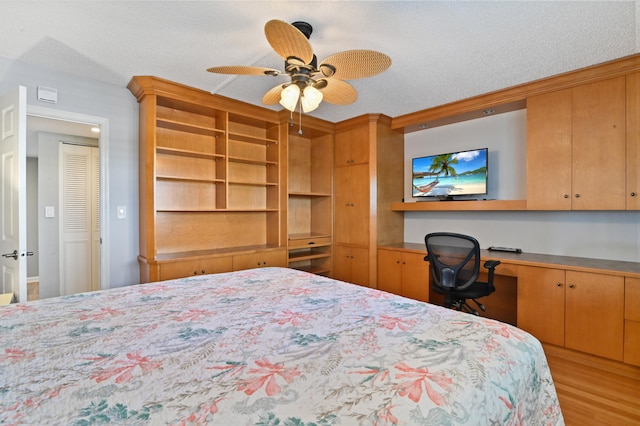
pixel 119 106
pixel 601 235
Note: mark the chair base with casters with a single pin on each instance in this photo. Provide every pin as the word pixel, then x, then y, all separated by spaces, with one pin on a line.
pixel 455 267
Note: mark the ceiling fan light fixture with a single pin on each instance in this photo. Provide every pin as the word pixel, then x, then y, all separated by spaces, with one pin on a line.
pixel 289 97
pixel 311 98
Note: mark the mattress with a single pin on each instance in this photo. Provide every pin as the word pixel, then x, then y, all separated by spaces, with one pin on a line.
pixel 271 346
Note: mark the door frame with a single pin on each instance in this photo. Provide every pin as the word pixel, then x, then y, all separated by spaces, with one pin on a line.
pixel 103 149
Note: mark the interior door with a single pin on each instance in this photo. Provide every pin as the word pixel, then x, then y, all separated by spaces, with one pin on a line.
pixel 13 165
pixel 79 219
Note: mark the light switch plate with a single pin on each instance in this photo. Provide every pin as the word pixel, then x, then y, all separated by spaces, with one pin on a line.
pixel 49 211
pixel 122 212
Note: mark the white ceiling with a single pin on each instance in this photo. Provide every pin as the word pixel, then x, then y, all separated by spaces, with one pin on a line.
pixel 442 51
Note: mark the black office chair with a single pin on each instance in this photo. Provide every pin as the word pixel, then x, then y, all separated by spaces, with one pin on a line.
pixel 455 266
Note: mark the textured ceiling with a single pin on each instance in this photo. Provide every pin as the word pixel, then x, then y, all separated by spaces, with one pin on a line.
pixel 442 51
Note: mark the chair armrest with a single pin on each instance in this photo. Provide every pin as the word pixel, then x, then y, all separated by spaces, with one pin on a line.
pixel 491 264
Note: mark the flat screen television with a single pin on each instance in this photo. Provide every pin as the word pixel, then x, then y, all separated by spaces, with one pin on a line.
pixel 450 175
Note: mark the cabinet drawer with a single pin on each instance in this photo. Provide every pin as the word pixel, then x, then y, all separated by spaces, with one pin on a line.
pixel 260 260
pixel 309 242
pixel 173 270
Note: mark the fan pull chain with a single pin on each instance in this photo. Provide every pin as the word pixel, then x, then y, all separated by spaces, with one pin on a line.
pixel 300 129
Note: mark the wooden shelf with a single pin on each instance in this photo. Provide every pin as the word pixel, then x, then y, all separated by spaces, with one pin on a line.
pixel 189 128
pixel 188 153
pixel 243 160
pixel 251 139
pixel 484 205
pixel 308 194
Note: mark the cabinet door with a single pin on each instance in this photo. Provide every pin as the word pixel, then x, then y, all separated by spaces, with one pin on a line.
pixel 549 151
pixel 390 271
pixel 633 142
pixel 170 271
pixel 260 260
pixel 415 276
pixel 599 145
pixel 632 321
pixel 594 314
pixel 541 303
pixel 352 205
pixel 352 147
pixel 360 266
pixel 352 265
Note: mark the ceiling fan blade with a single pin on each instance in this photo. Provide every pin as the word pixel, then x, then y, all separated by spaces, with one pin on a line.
pixel 272 97
pixel 338 92
pixel 243 70
pixel 352 64
pixel 288 41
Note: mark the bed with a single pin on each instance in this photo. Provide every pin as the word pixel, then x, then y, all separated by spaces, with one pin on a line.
pixel 271 346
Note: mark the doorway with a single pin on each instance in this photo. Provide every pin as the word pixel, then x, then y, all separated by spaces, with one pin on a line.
pixel 53 275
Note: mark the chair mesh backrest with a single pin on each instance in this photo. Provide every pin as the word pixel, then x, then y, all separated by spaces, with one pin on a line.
pixel 454 259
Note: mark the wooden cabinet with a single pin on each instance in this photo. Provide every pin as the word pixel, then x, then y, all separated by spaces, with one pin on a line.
pixel 540 306
pixel 260 259
pixel 352 146
pixel 352 207
pixel 403 273
pixel 352 264
pixel 576 148
pixel 172 270
pixel 632 321
pixel 577 310
pixel 632 193
pixel 209 176
pixel 369 158
pixel 309 195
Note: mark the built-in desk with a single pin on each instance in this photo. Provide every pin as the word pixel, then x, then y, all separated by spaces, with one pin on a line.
pixel 578 303
pixel 585 311
pixel 610 267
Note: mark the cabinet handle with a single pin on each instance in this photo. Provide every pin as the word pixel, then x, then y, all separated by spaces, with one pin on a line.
pixel 559 284
pixel 566 195
pixel 203 271
pixel 571 286
pixel 577 195
pixel 633 194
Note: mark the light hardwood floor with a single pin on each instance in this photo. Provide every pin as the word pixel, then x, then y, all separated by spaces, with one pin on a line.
pixel 594 390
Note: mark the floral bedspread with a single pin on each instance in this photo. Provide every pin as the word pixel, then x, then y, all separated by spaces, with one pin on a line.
pixel 270 346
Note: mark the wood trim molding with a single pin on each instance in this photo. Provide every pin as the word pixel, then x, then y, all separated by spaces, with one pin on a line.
pixel 512 98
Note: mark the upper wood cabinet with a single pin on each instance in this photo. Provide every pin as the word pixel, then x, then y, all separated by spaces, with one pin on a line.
pixel 368 177
pixel 209 176
pixel 633 142
pixel 352 147
pixel 576 148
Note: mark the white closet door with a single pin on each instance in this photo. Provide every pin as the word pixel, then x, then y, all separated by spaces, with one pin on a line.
pixel 78 220
pixel 95 219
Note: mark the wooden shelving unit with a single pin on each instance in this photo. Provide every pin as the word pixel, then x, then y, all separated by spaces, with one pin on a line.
pixel 309 195
pixel 209 182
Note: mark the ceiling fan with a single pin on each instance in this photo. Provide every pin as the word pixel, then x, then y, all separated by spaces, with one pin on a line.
pixel 310 83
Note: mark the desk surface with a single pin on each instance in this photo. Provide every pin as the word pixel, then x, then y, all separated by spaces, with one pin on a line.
pixel 613 267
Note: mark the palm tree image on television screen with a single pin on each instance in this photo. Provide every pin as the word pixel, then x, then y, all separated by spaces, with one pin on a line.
pixel 450 174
